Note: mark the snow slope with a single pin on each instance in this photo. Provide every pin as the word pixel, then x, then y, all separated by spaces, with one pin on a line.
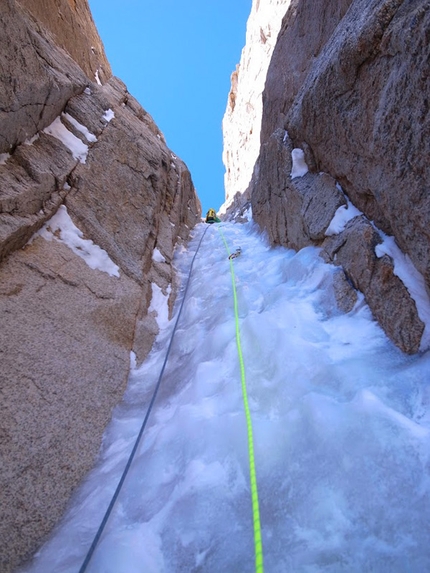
pixel 341 426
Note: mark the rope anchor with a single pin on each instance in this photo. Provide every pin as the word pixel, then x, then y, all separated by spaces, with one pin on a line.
pixel 236 253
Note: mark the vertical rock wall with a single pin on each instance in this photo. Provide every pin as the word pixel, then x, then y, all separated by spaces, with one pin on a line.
pixel 347 88
pixel 71 25
pixel 92 158
pixel 242 119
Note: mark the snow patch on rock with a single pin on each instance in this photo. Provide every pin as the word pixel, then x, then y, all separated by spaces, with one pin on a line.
pixel 58 130
pixel 300 166
pixel 90 137
pixel 62 229
pixel 411 278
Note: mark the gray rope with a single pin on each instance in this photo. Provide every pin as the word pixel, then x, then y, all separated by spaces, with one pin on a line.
pixel 139 436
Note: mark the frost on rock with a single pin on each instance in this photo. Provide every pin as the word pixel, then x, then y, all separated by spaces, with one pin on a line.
pixel 31 140
pixel 299 167
pixel 62 229
pixel 133 362
pixel 58 130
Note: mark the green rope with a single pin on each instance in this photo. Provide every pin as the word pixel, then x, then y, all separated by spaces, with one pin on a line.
pixel 252 474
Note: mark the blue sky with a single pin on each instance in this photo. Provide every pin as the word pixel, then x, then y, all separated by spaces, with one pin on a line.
pixel 176 58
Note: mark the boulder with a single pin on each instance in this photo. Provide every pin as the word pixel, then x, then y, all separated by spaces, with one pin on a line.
pixel 386 295
pixel 306 28
pixel 65 342
pixel 363 109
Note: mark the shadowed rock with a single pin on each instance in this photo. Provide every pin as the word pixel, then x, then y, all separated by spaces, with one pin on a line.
pixel 348 82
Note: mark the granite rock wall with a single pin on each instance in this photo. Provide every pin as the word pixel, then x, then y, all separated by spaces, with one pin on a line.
pixel 90 155
pixel 347 85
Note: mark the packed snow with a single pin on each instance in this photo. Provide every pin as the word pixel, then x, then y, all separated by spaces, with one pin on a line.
pixel 81 128
pixel 299 167
pixel 74 144
pixel 159 305
pixel 157 256
pixel 341 425
pixel 31 140
pixel 62 229
pixel 411 278
pixel 4 157
pixel 343 215
pixel 108 115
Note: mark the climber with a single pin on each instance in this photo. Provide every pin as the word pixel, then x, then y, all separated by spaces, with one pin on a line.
pixel 211 217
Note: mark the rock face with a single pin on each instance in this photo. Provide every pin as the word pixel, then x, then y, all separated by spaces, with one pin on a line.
pixel 386 294
pixel 371 129
pixel 37 77
pixel 71 24
pixel 347 84
pixel 90 156
pixel 312 200
pixel 242 119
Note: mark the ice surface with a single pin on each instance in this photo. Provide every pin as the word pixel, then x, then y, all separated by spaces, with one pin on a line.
pixel 341 424
pixel 58 129
pixel 61 228
pixel 299 167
